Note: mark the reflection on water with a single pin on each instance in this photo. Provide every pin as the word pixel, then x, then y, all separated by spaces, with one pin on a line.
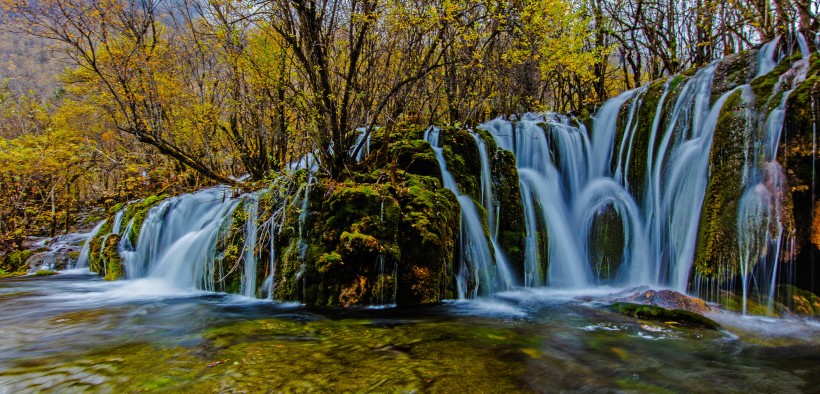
pixel 74 332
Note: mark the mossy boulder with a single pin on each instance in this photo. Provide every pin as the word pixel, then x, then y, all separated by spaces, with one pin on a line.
pixel 657 313
pixel 511 230
pixel 606 242
pixel 734 70
pixel 717 244
pixel 104 257
pixel 463 159
pixel 798 301
pixel 669 299
pixel 228 263
pixel 364 243
pixel 15 261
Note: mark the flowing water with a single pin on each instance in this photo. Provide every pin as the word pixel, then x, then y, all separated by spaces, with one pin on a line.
pixel 475 271
pixel 74 332
pixel 566 175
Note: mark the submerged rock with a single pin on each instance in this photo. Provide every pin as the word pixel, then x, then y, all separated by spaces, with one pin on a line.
pixel 669 299
pixel 653 312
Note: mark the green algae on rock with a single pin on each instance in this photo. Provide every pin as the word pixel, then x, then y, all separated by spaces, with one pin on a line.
pixel 659 313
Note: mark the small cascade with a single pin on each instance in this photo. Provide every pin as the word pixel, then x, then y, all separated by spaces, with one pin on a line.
pixel 365 149
pixel 178 238
pixel 127 249
pixel 760 228
pixel 85 253
pixel 504 273
pixel 115 229
pixel 631 129
pixel 271 280
pixel 249 257
pixel 768 56
pixel 803 44
pixel 475 273
pixel 303 216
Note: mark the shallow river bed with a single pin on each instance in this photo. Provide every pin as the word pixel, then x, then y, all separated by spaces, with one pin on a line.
pixel 74 333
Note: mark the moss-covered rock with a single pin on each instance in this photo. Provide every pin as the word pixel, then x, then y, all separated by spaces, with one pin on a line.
pixel 511 231
pixel 104 257
pixel 15 261
pixel 114 268
pixel 732 71
pixel 652 312
pixel 798 301
pixel 463 160
pixel 365 242
pixel 717 250
pixel 606 243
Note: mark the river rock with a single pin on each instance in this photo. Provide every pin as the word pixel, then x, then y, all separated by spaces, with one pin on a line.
pixel 669 299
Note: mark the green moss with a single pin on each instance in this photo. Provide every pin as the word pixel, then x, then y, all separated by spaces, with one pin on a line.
pixel 45 273
pixel 511 226
pixel 114 268
pixel 360 235
pixel 798 301
pixel 116 208
pixel 15 261
pixel 652 312
pixel 734 302
pixel 137 212
pixel 228 270
pixel 463 160
pixel 732 71
pixel 717 245
pixel 763 85
pixel 606 244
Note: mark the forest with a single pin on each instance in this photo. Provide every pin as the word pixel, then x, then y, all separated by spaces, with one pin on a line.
pixel 118 100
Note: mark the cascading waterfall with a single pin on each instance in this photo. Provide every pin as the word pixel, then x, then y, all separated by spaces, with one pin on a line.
pixel 567 177
pixel 251 203
pixel 476 274
pixel 503 272
pixel 574 184
pixel 85 253
pixel 760 227
pixel 177 242
pixel 768 57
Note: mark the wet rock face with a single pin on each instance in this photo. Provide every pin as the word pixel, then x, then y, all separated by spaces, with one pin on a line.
pixel 669 299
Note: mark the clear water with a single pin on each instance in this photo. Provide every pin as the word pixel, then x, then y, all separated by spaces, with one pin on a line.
pixel 74 332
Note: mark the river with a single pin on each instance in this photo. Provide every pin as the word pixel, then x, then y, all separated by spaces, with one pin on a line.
pixel 74 332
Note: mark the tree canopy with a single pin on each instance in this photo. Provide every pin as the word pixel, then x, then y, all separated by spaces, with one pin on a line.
pixel 189 92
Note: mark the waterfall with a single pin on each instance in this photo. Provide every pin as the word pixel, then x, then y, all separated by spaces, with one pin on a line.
pixel 768 56
pixel 251 203
pixel 177 242
pixel 115 229
pixel 365 149
pixel 504 273
pixel 567 174
pixel 760 228
pixel 85 253
pixel 640 171
pixel 475 274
